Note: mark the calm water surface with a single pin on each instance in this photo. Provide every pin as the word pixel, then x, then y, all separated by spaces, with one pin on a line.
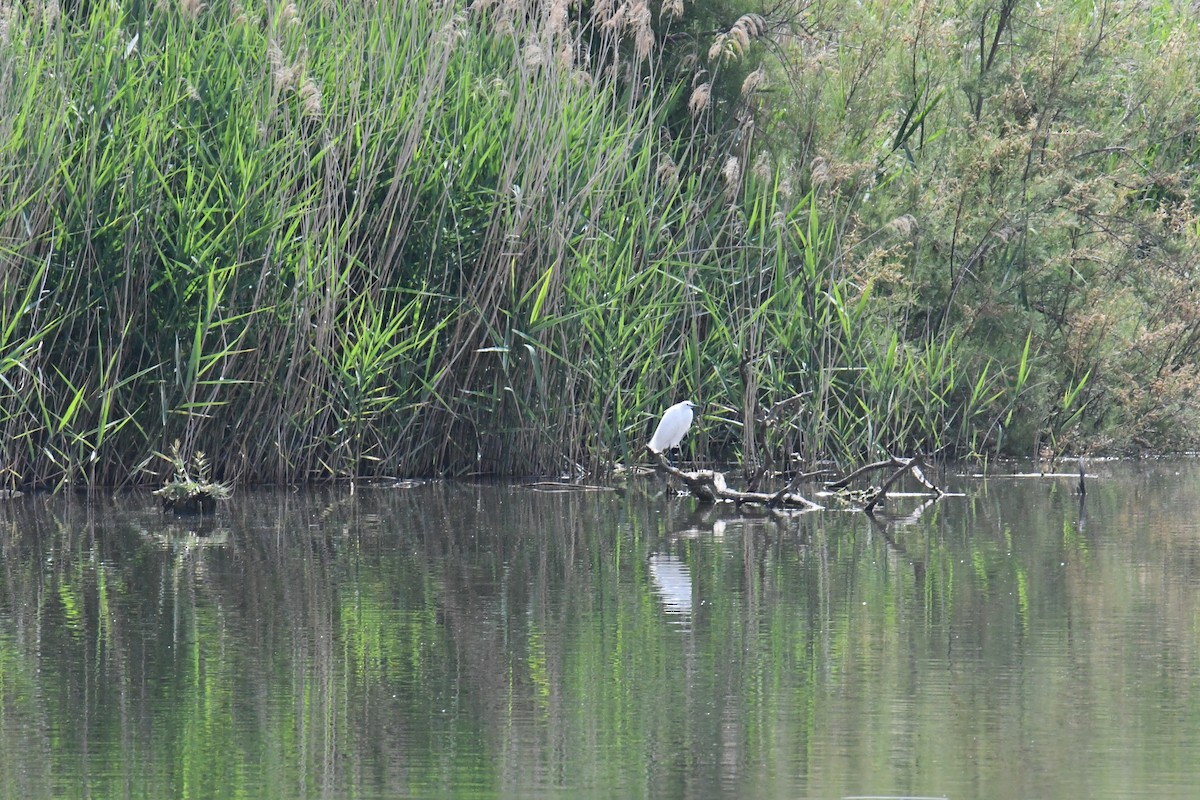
pixel 487 641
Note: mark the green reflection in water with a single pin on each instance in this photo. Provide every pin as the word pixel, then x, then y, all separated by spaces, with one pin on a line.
pixel 496 641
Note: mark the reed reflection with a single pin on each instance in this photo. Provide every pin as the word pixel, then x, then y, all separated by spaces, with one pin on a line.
pixel 499 641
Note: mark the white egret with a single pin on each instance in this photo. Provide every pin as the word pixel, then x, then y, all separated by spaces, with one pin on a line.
pixel 673 425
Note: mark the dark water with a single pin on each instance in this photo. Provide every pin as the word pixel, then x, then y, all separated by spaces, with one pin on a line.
pixel 458 640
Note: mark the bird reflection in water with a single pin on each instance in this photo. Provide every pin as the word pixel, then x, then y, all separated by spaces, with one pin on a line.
pixel 673 585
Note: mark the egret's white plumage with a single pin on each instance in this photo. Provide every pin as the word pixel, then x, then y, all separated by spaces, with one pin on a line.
pixel 673 425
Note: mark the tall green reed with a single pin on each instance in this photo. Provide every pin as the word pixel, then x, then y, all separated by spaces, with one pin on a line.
pixel 344 239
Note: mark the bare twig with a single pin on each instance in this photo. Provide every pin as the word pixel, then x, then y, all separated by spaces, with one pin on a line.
pixel 901 465
pixel 910 465
pixel 842 483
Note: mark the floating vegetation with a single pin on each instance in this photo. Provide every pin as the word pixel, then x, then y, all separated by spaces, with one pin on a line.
pixel 190 489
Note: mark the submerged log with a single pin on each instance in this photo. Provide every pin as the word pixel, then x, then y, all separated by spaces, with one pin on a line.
pixel 197 504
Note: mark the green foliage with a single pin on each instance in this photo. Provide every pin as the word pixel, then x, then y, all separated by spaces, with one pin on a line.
pixel 190 489
pixel 1038 162
pixel 336 241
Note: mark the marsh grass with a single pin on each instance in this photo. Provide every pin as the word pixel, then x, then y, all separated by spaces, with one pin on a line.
pixel 325 240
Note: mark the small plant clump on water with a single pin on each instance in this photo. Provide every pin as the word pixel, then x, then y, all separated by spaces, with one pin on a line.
pixel 190 490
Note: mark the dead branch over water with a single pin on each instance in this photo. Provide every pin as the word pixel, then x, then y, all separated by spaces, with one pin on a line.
pixel 710 486
pixel 876 495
